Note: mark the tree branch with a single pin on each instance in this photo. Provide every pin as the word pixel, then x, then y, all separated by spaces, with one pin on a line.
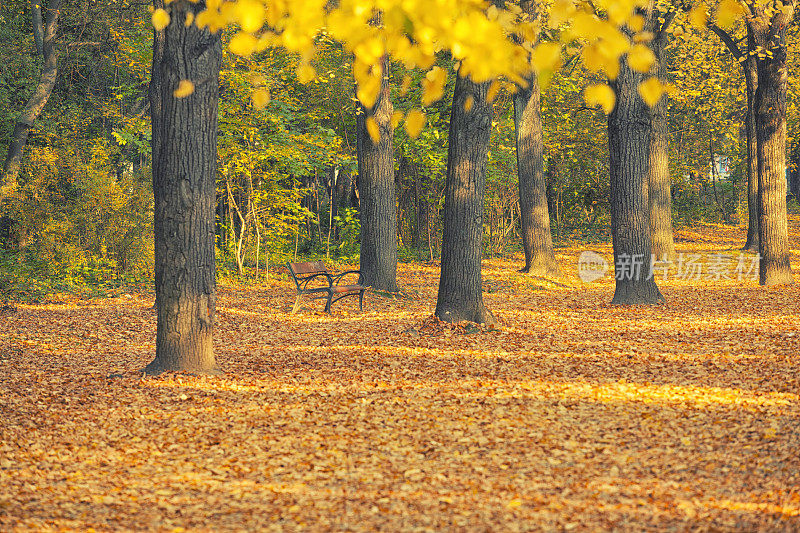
pixel 728 40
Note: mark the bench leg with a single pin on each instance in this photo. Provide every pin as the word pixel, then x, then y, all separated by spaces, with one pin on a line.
pixel 361 301
pixel 328 303
pixel 296 304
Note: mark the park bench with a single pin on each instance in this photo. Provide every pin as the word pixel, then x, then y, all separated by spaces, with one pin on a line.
pixel 313 279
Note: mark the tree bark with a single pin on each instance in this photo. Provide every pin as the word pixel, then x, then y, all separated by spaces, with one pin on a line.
pixel 378 210
pixel 751 84
pixel 37 101
pixel 660 183
pixel 537 240
pixel 770 115
pixel 629 149
pixel 184 171
pixel 460 286
pixel 748 61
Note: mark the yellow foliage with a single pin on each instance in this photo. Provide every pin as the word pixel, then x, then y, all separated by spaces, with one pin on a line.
pixel 306 73
pixel 468 103
pixel 698 16
pixel 651 90
pixel 727 13
pixel 433 85
pixel 415 121
pixel 641 58
pixel 546 57
pixel 260 98
pixel 243 44
pixel 373 130
pixel 160 19
pixel 601 95
pixel 185 88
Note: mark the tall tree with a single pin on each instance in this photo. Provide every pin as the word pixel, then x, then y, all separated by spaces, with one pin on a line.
pixel 184 171
pixel 537 240
pixel 378 211
pixel 768 26
pixel 46 36
pixel 747 59
pixel 460 288
pixel 629 132
pixel 659 181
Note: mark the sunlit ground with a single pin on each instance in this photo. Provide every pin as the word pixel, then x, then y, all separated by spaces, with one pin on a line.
pixel 572 415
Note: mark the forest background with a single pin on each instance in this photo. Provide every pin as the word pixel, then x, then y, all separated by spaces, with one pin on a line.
pixel 81 218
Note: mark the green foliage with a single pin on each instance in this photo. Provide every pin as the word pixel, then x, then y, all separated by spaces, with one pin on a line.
pixel 349 233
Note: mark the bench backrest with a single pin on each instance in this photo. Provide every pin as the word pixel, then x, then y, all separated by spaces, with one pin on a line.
pixel 302 271
pixel 307 269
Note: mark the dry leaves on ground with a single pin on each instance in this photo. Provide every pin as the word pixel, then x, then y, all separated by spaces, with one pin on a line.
pixel 570 415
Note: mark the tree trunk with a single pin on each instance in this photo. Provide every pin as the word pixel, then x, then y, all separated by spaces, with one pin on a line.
pixel 659 193
pixel 629 149
pixel 184 171
pixel 748 61
pixel 536 237
pixel 751 83
pixel 770 111
pixel 378 211
pixel 460 288
pixel 37 101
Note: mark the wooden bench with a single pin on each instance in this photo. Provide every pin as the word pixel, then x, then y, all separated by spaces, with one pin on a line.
pixel 326 284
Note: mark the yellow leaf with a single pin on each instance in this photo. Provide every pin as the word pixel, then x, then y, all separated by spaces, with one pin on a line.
pixel 636 23
pixel 468 102
pixel 260 98
pixel 415 121
pixel 491 94
pixel 513 504
pixel 397 116
pixel 160 19
pixel 641 58
pixel 406 85
pixel 698 16
pixel 373 130
pixel 306 73
pixel 251 15
pixel 561 12
pixel 243 44
pixel 601 95
pixel 727 13
pixel 185 88
pixel 651 90
pixel 369 87
pixel 189 19
pixel 433 85
pixel 546 56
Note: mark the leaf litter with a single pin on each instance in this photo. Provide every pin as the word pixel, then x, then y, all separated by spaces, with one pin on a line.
pixel 572 414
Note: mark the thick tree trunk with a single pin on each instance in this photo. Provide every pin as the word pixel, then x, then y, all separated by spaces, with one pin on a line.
pixel 770 111
pixel 37 101
pixel 659 192
pixel 184 171
pixel 629 149
pixel 460 288
pixel 751 83
pixel 537 240
pixel 378 210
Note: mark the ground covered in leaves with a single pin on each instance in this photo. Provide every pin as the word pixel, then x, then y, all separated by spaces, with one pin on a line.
pixel 570 415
